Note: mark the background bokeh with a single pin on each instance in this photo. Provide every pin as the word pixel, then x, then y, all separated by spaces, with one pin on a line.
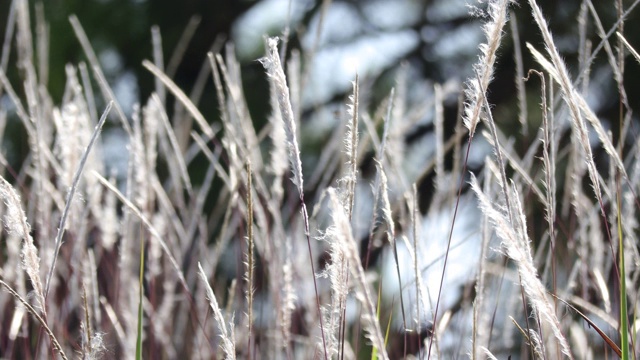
pixel 438 39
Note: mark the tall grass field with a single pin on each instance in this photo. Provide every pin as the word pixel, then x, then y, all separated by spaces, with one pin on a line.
pixel 324 232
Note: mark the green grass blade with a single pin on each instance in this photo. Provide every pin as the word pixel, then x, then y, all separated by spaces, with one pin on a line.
pixel 374 352
pixel 624 326
pixel 386 334
pixel 139 337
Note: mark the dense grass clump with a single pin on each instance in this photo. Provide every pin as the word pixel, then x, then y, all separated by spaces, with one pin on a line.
pixel 222 239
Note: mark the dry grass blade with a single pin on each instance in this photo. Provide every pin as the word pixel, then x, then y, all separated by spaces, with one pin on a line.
pixel 391 237
pixel 20 110
pixel 182 44
pixel 147 223
pixel 32 311
pixel 629 47
pixel 228 343
pixel 475 95
pixel 184 99
pixel 8 35
pixel 175 146
pixel 595 327
pixel 95 64
pixel 71 194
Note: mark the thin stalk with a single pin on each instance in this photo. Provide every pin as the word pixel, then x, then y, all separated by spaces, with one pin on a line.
pixel 250 257
pixel 446 254
pixel 34 312
pixel 70 195
pixel 624 326
pixel 386 210
pixel 276 74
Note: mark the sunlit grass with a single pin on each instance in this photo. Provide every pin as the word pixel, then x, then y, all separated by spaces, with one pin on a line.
pixel 204 247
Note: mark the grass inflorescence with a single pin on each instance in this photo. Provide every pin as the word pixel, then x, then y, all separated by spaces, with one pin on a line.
pixel 202 246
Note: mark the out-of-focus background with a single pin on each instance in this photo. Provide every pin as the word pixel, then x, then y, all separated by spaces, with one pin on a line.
pixel 426 42
pixel 437 40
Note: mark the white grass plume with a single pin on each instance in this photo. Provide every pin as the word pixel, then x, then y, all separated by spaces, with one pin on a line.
pixel 351 148
pixel 228 344
pixel 516 243
pixel 341 229
pixel 422 296
pixel 479 318
pixel 575 102
pixel 271 63
pixel 16 223
pixel 138 165
pixel 278 165
pixel 240 117
pixel 519 78
pixel 337 272
pixel 497 11
pixel 488 353
pixel 536 344
pixel 288 296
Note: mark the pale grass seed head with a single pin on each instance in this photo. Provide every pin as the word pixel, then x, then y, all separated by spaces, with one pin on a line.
pixel 271 63
pixel 74 130
pixel 109 221
pixel 337 272
pixel 488 353
pixel 351 137
pixel 278 165
pixel 69 132
pixel 289 297
pixel 227 336
pixel 139 162
pixel 536 344
pixel 476 90
pixel 349 179
pixel 151 124
pixel 98 347
pixel 386 205
pixel 516 245
pixel 344 236
pixel 16 224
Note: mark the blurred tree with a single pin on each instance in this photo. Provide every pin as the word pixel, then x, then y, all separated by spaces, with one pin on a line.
pixel 124 26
